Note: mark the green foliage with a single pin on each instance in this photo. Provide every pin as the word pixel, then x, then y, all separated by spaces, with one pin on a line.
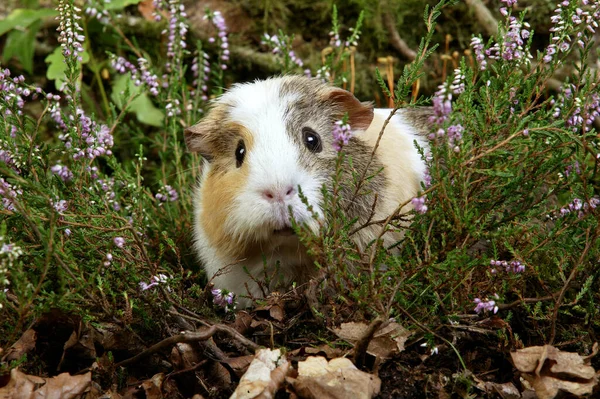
pixel 88 238
pixel 140 103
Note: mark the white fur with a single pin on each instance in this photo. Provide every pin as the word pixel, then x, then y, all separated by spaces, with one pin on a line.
pixel 273 164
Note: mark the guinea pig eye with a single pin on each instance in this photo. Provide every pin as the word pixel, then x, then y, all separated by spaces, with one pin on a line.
pixel 312 140
pixel 240 153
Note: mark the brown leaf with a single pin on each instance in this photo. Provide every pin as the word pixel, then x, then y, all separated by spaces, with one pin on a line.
pixel 507 390
pixel 327 350
pixel 276 312
pixel 264 376
pixel 189 356
pixel 63 386
pixel 550 371
pixel 152 386
pixel 336 379
pixel 240 364
pixel 386 342
pixel 242 322
pixel 25 344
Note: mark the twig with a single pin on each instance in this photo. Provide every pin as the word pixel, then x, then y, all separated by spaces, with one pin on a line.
pixel 506 306
pixel 220 328
pixel 186 336
pixel 484 16
pixel 395 40
pixel 360 348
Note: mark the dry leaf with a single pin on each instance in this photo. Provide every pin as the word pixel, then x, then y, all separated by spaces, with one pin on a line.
pixel 276 312
pixel 63 386
pixel 550 371
pixel 386 342
pixel 264 376
pixel 336 379
pixel 327 350
pixel 184 356
pixel 507 390
pixel 25 344
pixel 239 364
pixel 152 387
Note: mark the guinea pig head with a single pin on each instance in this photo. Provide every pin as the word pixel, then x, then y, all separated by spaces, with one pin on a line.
pixel 263 143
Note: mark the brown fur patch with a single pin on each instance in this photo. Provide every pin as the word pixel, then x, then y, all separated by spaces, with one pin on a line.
pixel 222 186
pixel 360 114
pixel 202 137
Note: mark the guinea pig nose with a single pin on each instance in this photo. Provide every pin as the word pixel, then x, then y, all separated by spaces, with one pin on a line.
pixel 279 194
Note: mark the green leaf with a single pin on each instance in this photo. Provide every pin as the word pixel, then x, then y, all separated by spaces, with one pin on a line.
pixel 120 4
pixel 21 44
pixel 141 106
pixel 57 66
pixel 21 18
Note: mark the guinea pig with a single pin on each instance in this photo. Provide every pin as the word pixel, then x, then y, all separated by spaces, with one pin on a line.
pixel 262 141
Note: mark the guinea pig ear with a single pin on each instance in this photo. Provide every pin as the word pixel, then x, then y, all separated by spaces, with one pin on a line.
pixel 198 139
pixel 360 114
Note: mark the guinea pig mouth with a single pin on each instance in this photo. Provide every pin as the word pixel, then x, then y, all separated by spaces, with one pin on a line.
pixel 286 231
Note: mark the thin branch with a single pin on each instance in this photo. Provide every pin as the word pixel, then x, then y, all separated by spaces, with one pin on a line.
pixel 186 336
pixel 395 40
pixel 484 16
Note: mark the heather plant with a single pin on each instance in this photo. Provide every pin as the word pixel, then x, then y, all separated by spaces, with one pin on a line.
pixel 508 215
pixel 96 207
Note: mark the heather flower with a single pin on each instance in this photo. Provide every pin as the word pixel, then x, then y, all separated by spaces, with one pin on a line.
pixel 176 31
pixel 13 92
pixel 201 71
pixel 9 253
pixel 485 306
pixel 119 242
pixel 166 194
pixel 458 83
pixel 63 172
pixel 154 281
pixel 341 134
pixel 60 206
pixel 8 194
pixel 513 41
pixel 96 10
pixel 71 37
pixel 324 73
pixel 96 139
pixel 140 74
pixel 7 157
pixel 442 104
pixel 222 298
pixel 514 266
pixel 419 204
pixel 280 46
pixel 580 207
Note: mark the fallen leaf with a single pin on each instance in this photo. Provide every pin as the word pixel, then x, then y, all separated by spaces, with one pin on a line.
pixel 264 377
pixel 550 371
pixel 507 390
pixel 240 364
pixel 336 379
pixel 276 312
pixel 25 344
pixel 184 356
pixel 152 386
pixel 327 350
pixel 63 386
pixel 386 342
